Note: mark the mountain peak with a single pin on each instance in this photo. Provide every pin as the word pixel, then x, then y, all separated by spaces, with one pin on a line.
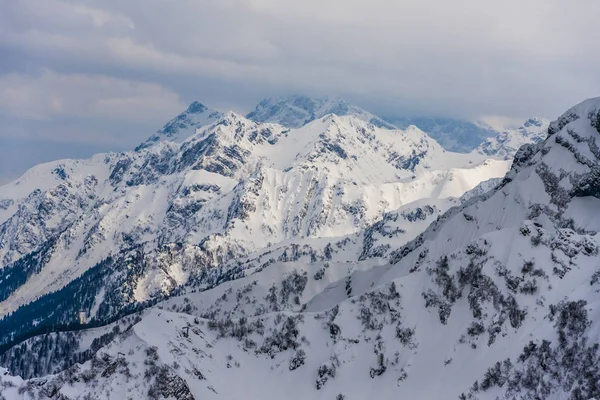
pixel 567 164
pixel 232 115
pixel 588 108
pixel 184 125
pixel 196 108
pixel 539 122
pixel 297 110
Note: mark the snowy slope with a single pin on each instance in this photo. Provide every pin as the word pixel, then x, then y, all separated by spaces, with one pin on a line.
pixel 119 230
pixel 296 111
pixel 506 143
pixel 497 298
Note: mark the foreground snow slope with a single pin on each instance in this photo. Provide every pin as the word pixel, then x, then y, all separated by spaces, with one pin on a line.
pixel 495 299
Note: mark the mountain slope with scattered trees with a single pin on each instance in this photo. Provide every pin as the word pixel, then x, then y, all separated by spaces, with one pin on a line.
pixel 495 299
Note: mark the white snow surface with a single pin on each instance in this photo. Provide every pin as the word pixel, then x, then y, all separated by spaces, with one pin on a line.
pixel 503 269
pixel 235 186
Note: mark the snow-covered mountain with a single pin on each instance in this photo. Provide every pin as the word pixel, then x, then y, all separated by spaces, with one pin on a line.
pixel 506 143
pixel 496 299
pixel 296 111
pixel 184 125
pixel 117 232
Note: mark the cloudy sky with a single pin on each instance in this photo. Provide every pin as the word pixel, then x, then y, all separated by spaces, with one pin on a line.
pixel 78 77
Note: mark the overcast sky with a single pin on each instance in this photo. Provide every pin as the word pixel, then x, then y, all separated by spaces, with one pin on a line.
pixel 94 75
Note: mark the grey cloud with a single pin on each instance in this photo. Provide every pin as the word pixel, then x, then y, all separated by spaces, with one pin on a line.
pixel 466 58
pixel 50 94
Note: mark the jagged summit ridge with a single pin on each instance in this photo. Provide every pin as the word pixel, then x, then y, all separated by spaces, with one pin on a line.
pixel 296 111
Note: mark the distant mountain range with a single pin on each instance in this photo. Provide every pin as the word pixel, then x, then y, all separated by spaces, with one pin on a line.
pixel 506 143
pixel 454 135
pixel 297 111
